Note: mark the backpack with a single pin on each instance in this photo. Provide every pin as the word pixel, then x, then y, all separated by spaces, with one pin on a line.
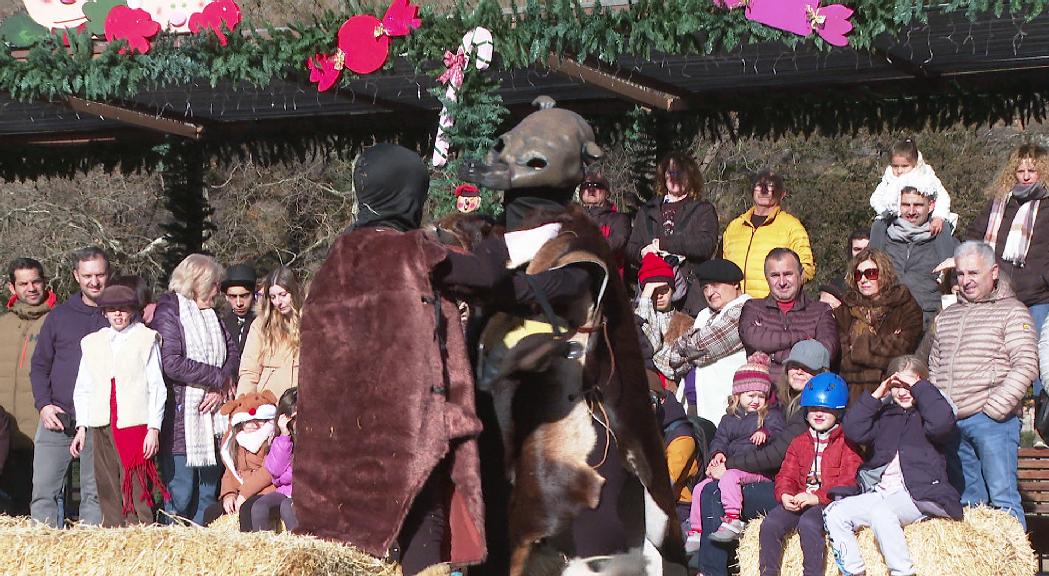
pixel 702 432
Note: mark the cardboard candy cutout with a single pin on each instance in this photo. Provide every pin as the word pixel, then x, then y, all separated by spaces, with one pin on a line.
pixel 363 43
pixel 136 21
pixel 56 14
pixel 802 17
pixel 172 15
pixel 467 198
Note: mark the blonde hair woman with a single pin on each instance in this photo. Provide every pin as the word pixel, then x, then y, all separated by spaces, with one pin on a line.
pixel 271 354
pixel 199 371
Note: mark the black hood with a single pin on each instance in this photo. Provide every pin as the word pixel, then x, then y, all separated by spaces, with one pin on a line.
pixel 391 183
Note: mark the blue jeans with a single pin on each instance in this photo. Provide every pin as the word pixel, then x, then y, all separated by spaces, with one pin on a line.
pixel 192 489
pixel 758 498
pixel 1039 312
pixel 982 463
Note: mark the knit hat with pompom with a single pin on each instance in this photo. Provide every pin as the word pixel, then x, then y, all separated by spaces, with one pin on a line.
pixel 753 376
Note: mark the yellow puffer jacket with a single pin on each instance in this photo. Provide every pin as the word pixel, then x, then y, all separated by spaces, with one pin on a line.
pixel 747 246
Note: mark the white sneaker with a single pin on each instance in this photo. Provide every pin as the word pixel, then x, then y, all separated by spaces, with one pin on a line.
pixel 692 541
pixel 729 530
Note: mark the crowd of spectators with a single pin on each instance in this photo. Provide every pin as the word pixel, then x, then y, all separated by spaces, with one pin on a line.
pixel 920 327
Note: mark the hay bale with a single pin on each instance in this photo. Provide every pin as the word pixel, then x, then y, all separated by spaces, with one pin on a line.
pixel 30 548
pixel 989 541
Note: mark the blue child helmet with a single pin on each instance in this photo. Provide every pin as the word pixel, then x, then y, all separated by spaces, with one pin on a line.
pixel 825 390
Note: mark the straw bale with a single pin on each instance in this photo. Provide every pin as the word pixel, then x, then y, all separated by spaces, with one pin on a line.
pixel 989 541
pixel 30 548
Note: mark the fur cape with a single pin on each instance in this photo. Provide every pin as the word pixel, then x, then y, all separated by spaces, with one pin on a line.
pixel 551 431
pixel 386 395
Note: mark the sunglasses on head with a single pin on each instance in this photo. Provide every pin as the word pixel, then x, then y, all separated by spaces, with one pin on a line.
pixel 869 274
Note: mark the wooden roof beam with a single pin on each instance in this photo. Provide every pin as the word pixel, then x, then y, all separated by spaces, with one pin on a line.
pixel 631 86
pixel 135 118
pixel 903 63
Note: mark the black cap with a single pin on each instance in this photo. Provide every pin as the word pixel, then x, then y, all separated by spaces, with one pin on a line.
pixel 719 270
pixel 240 275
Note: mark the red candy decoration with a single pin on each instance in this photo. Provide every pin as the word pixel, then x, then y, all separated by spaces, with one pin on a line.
pixel 214 16
pixel 366 45
pixel 135 26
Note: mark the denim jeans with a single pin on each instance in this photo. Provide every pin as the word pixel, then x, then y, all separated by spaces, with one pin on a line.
pixel 192 489
pixel 758 498
pixel 1039 312
pixel 982 463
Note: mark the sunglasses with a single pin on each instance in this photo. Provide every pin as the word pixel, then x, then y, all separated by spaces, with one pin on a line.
pixel 675 174
pixel 870 274
pixel 593 186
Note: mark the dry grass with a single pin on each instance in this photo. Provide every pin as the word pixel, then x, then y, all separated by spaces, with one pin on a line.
pixel 989 541
pixel 29 548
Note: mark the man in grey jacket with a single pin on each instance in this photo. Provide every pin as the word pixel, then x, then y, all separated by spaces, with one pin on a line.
pixel 984 358
pixel 913 249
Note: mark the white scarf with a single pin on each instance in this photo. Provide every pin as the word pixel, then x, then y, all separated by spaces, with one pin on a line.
pixel 206 344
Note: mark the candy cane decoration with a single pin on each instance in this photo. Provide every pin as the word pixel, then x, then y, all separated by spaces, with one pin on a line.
pixel 477 43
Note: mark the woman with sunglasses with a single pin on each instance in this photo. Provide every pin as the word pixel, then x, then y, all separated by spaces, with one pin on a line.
pixel 677 225
pixel 878 320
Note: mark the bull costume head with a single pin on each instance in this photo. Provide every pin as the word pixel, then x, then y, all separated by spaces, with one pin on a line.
pixel 537 164
pixel 567 385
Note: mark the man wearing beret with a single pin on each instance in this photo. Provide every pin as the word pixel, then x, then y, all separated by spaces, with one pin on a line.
pixel 711 351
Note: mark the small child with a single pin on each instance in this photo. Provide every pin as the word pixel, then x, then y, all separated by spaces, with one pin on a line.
pixel 816 463
pixel 243 450
pixel 748 422
pixel 279 464
pixel 905 476
pixel 906 165
pixel 120 394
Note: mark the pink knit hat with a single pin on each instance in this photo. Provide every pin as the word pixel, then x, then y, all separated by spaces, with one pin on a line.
pixel 753 376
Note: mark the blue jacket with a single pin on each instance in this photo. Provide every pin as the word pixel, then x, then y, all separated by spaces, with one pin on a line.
pixel 734 431
pixel 56 359
pixel 920 435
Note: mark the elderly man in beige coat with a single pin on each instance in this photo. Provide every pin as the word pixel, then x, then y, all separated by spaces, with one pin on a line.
pixel 984 357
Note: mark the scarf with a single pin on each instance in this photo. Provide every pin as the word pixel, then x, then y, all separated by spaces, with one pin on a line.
pixel 205 344
pixel 391 184
pixel 128 442
pixel 903 231
pixel 29 312
pixel 820 440
pixel 1018 242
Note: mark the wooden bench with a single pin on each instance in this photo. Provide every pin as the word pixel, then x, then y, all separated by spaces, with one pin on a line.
pixel 1033 475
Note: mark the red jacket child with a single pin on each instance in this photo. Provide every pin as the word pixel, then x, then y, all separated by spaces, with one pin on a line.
pixel 841 459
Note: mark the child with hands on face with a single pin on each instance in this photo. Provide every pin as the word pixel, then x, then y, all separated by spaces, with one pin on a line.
pixel 120 395
pixel 906 424
pixel 243 450
pixel 749 422
pixel 817 463
pixel 278 463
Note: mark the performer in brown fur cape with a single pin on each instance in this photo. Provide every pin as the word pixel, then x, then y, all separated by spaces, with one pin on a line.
pixel 582 450
pixel 386 453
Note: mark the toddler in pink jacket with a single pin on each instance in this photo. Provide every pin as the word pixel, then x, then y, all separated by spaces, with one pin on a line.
pixel 278 463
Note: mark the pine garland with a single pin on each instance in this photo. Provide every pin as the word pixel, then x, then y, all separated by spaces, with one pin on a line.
pixel 524 37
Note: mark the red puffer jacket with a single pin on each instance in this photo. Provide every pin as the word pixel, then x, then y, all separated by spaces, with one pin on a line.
pixel 841 460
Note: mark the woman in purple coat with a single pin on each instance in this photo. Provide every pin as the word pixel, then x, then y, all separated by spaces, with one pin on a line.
pixel 200 368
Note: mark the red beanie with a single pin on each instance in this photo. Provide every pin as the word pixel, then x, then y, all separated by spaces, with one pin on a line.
pixel 655 269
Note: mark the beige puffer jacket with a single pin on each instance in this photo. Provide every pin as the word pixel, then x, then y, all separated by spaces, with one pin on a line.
pixel 985 354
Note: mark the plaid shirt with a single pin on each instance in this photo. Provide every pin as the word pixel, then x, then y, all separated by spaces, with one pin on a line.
pixel 704 344
pixel 654 323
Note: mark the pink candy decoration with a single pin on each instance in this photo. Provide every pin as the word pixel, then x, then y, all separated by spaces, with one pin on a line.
pixel 135 26
pixel 801 17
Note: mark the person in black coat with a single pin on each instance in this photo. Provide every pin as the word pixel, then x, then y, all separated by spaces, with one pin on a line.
pixel 676 222
pixel 614 225
pixel 906 424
